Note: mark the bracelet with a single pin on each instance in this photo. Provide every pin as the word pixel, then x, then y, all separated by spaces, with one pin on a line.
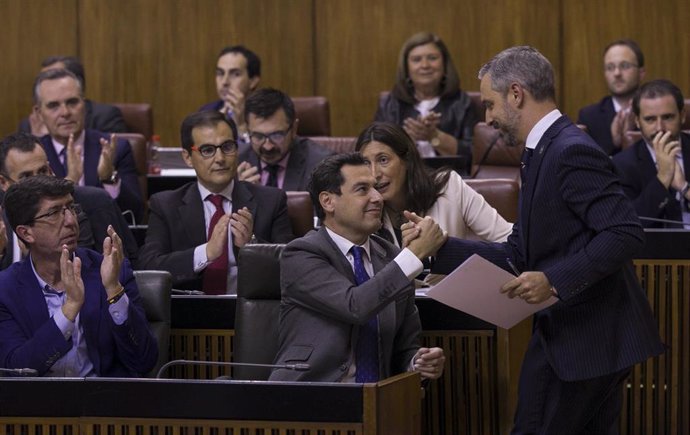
pixel 116 297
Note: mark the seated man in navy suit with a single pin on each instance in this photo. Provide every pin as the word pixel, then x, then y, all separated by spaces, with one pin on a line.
pixel 608 120
pixel 22 156
pixel 655 170
pixel 87 157
pixel 275 156
pixel 195 232
pixel 99 116
pixel 238 72
pixel 64 310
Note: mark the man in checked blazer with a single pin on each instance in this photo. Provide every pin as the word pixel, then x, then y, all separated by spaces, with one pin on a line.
pixel 574 240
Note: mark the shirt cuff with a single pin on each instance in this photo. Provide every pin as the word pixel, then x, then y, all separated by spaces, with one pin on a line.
pixel 65 325
pixel 113 189
pixel 200 258
pixel 119 310
pixel 410 265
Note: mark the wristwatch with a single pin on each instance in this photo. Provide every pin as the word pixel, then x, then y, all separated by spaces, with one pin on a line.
pixel 114 178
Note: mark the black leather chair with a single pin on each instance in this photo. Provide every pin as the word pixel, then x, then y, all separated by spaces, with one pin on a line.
pixel 301 212
pixel 155 287
pixel 314 115
pixel 258 309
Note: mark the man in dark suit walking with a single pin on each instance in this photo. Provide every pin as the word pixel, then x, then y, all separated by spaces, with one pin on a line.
pixel 275 155
pixel 347 304
pixel 655 170
pixel 195 231
pixel 574 240
pixel 609 119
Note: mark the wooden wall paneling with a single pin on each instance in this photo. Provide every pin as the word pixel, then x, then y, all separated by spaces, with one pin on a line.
pixel 32 31
pixel 588 26
pixel 164 52
pixel 357 44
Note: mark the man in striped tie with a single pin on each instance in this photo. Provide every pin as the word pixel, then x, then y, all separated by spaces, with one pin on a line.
pixel 347 305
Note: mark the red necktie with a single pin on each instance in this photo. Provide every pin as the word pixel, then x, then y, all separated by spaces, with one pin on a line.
pixel 216 273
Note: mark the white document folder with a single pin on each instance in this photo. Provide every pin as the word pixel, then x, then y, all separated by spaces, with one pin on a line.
pixel 475 288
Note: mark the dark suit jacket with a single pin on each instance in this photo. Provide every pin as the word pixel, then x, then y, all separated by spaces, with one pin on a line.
pixel 577 227
pixel 29 338
pixel 304 157
pixel 638 178
pixel 98 116
pixel 598 118
pixel 130 194
pixel 177 226
pixel 322 308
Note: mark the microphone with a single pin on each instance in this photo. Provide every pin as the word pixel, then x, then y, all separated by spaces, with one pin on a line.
pixel 493 142
pixel 182 362
pixel 664 221
pixel 21 372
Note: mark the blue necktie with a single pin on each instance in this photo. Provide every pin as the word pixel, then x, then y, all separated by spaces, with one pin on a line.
pixel 367 350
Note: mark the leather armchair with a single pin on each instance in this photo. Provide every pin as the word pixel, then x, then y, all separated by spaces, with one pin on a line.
pixel 336 144
pixel 155 287
pixel 138 117
pixel 501 193
pixel 301 212
pixel 314 116
pixel 492 158
pixel 258 309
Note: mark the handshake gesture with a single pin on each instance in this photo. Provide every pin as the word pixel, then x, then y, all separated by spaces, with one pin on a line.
pixel 422 236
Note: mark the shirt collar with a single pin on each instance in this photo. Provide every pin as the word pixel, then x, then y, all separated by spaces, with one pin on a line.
pixel 345 245
pixel 79 141
pixel 45 287
pixel 282 162
pixel 225 193
pixel 540 128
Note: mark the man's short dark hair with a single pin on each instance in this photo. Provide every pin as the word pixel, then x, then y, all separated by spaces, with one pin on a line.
pixel 23 198
pixel 327 177
pixel 54 74
pixel 21 141
pixel 71 63
pixel 656 89
pixel 631 45
pixel 265 102
pixel 205 118
pixel 253 61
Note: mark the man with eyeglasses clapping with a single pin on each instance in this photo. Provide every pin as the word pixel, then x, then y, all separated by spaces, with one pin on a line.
pixel 65 310
pixel 195 231
pixel 275 156
pixel 609 119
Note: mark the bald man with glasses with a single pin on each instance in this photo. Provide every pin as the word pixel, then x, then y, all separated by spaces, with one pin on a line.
pixel 196 231
pixel 275 156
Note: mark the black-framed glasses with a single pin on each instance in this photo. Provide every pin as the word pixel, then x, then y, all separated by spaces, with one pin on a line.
pixel 207 151
pixel 57 214
pixel 276 138
pixel 623 66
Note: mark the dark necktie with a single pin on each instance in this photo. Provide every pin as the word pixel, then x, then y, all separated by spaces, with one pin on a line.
pixel 272 175
pixel 216 274
pixel 367 350
pixel 524 164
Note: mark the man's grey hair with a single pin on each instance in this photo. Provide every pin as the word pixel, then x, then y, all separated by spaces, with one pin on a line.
pixel 54 74
pixel 524 65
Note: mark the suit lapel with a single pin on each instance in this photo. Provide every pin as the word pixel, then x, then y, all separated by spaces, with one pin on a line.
pixel 92 153
pixel 53 159
pixel 191 212
pixel 295 167
pixel 243 197
pixel 30 297
pixel 387 316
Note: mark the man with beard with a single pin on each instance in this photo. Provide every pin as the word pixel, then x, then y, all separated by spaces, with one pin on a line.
pixel 608 120
pixel 655 170
pixel 574 240
pixel 275 155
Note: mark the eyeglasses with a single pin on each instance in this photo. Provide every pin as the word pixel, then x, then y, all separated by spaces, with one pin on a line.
pixel 623 66
pixel 207 151
pixel 57 215
pixel 276 138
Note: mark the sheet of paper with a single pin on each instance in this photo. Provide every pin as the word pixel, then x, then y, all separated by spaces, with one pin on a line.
pixel 474 288
pixel 186 172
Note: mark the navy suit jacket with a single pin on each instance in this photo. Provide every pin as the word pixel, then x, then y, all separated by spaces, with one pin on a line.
pixel 638 177
pixel 130 194
pixel 322 309
pixel 177 226
pixel 578 228
pixel 97 116
pixel 29 338
pixel 304 157
pixel 598 118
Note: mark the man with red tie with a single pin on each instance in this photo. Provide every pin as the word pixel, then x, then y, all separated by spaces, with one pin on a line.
pixel 196 230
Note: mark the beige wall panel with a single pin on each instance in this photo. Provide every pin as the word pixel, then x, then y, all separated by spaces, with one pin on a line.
pixel 32 30
pixel 357 44
pixel 660 28
pixel 164 52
